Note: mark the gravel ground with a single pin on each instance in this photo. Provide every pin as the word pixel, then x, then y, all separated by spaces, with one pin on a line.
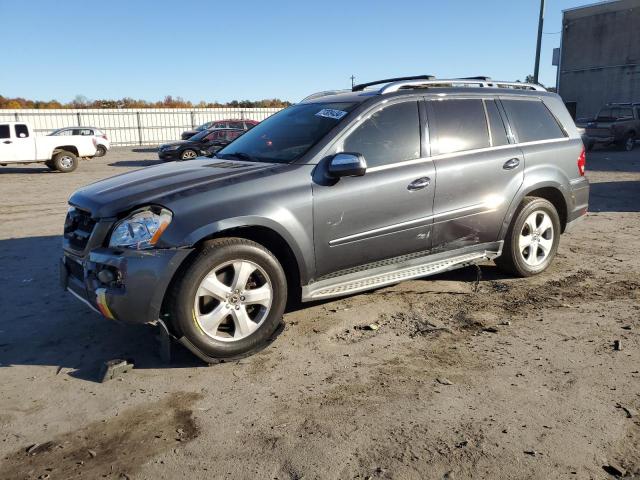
pixel 519 379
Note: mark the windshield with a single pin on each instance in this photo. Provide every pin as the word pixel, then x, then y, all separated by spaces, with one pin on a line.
pixel 289 134
pixel 199 136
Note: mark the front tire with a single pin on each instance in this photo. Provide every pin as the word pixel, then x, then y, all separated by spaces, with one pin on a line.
pixel 532 239
pixel 230 298
pixel 65 162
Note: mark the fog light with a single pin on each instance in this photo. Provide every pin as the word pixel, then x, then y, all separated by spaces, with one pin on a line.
pixel 106 276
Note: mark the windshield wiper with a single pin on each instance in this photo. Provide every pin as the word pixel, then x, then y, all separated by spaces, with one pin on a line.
pixel 240 156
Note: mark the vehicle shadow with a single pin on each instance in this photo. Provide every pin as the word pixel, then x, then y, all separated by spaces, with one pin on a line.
pixel 622 196
pixel 145 149
pixel 612 160
pixel 42 325
pixel 135 163
pixel 37 168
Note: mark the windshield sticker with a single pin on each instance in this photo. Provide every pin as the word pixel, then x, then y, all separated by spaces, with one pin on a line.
pixel 329 113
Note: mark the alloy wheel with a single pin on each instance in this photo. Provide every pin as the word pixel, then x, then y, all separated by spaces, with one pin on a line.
pixel 188 155
pixel 233 300
pixel 536 238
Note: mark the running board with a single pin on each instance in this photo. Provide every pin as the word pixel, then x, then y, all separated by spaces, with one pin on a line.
pixel 384 273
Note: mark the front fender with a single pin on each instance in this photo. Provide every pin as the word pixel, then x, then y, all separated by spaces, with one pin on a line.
pixel 295 235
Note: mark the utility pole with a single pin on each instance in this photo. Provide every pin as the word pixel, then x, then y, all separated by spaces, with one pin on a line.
pixel 353 79
pixel 536 69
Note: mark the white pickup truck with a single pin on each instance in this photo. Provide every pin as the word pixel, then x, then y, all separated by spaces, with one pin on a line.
pixel 18 144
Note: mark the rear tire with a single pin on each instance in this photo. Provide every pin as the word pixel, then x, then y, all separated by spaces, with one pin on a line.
pixel 532 238
pixel 188 154
pixel 229 299
pixel 101 151
pixel 65 162
pixel 629 142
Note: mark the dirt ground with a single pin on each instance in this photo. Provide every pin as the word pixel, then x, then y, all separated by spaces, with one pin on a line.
pixel 519 379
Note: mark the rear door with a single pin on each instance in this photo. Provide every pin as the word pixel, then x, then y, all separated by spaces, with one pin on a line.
pixel 386 212
pixel 479 170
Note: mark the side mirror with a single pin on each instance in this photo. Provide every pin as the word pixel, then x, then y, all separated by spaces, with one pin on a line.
pixel 347 165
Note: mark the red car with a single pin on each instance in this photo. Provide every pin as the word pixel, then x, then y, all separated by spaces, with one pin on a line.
pixel 228 123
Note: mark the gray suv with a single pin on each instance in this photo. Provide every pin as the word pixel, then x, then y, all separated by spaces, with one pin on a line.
pixel 343 192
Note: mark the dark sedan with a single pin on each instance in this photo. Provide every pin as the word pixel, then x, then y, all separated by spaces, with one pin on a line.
pixel 203 143
pixel 230 123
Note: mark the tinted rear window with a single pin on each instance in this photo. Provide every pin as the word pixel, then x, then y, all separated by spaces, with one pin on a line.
pixel 532 120
pixel 496 125
pixel 460 125
pixel 4 131
pixel 22 131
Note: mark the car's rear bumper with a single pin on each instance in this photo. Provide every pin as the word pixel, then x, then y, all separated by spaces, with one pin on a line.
pixel 579 204
pixel 593 139
pixel 141 278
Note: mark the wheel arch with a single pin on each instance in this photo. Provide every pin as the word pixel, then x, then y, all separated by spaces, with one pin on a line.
pixel 262 231
pixel 65 148
pixel 554 192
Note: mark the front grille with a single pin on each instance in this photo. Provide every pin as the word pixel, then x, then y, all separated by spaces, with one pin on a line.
pixel 78 227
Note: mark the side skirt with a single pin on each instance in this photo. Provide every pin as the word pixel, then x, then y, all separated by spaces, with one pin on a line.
pixel 396 270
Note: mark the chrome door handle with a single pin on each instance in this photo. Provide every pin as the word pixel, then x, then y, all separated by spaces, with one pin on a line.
pixel 511 164
pixel 419 184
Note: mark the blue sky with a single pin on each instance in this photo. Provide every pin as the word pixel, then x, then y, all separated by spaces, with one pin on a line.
pixel 225 50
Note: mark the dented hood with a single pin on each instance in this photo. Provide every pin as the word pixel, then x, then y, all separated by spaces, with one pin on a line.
pixel 161 184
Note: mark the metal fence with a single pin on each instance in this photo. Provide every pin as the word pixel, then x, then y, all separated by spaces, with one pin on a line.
pixel 132 126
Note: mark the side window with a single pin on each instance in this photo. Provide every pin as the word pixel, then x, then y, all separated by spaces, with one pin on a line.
pixel 4 131
pixel 496 125
pixel 21 131
pixel 625 113
pixel 388 136
pixel 236 125
pixel 215 135
pixel 460 125
pixel 532 120
pixel 219 125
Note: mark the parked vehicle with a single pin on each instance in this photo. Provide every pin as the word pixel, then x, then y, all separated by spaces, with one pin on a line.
pixel 338 194
pixel 18 144
pixel 616 123
pixel 203 143
pixel 102 141
pixel 227 123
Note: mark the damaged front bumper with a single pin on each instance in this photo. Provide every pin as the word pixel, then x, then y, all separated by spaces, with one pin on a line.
pixel 122 284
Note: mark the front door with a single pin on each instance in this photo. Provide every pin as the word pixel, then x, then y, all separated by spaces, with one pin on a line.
pixel 16 144
pixel 386 212
pixel 479 171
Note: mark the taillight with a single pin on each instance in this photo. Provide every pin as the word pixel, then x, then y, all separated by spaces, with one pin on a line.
pixel 582 161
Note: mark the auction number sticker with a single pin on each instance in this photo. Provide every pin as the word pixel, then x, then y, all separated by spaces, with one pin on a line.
pixel 330 113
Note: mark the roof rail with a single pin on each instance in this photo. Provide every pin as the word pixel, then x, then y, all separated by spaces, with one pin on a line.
pixel 458 82
pixel 323 94
pixel 480 77
pixel 362 86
